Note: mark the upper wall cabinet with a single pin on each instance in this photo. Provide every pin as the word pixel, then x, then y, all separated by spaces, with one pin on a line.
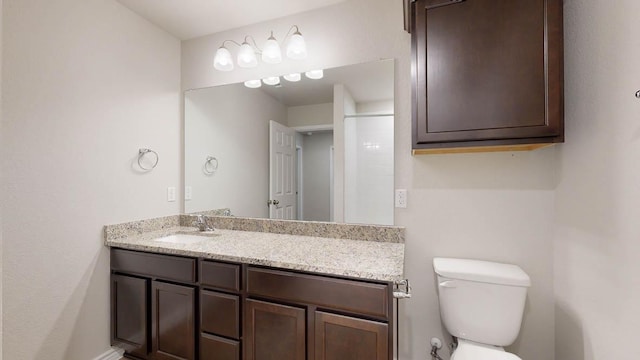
pixel 487 75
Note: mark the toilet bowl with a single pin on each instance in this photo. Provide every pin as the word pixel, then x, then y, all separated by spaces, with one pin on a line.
pixel 481 304
pixel 469 350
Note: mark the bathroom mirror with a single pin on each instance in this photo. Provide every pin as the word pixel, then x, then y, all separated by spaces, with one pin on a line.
pixel 311 149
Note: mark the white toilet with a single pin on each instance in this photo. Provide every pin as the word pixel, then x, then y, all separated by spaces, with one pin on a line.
pixel 481 304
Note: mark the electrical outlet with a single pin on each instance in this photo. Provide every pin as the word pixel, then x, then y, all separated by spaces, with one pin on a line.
pixel 188 192
pixel 401 198
pixel 171 194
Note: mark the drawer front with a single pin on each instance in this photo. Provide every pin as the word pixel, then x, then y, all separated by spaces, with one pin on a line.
pixel 348 295
pixel 161 266
pixel 216 348
pixel 220 314
pixel 220 275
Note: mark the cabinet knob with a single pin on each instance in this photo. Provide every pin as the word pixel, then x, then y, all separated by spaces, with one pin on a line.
pixel 638 94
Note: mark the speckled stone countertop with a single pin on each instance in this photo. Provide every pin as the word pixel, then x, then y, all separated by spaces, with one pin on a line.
pixel 374 260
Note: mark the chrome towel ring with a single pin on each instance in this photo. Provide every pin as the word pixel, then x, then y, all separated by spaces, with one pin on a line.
pixel 142 153
pixel 210 165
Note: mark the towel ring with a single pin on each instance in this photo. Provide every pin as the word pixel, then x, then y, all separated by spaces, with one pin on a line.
pixel 142 153
pixel 210 165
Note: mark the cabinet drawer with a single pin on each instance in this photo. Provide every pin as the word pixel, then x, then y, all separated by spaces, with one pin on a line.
pixel 220 314
pixel 348 295
pixel 216 348
pixel 161 266
pixel 220 275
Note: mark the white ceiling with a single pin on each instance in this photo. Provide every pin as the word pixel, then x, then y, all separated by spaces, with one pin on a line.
pixel 187 19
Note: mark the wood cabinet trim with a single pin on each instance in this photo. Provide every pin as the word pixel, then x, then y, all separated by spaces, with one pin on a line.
pixel 219 275
pixel 358 297
pixel 166 267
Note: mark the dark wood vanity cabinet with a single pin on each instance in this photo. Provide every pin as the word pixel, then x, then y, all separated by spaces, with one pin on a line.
pixel 173 323
pixel 129 315
pixel 225 311
pixel 274 331
pixel 339 337
pixel 487 74
pixel 220 311
pixel 153 317
pixel 337 319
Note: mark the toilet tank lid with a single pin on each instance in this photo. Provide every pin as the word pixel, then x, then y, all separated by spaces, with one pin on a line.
pixel 481 271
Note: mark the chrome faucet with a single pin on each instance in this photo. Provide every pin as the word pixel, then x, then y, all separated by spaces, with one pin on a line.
pixel 203 223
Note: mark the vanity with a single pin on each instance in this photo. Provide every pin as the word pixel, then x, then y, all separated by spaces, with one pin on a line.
pixel 177 293
pixel 306 282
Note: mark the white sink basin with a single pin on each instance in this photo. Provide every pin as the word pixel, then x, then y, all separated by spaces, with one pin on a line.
pixel 181 239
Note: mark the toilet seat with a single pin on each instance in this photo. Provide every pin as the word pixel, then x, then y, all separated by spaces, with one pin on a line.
pixel 468 350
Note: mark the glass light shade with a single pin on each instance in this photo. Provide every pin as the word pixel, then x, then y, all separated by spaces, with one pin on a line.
pixel 292 77
pixel 253 84
pixel 271 53
pixel 296 47
pixel 223 60
pixel 314 74
pixel 246 56
pixel 273 80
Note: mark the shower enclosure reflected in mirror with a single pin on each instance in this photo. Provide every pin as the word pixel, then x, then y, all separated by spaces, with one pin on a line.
pixel 314 149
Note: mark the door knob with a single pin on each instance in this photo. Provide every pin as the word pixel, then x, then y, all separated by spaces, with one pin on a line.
pixel 273 202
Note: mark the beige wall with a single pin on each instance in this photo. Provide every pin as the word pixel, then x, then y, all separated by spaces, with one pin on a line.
pixel 488 206
pixel 310 115
pixel 597 243
pixel 230 123
pixel 85 84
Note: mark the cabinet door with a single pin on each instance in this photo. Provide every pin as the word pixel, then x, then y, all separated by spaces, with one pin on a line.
pixel 129 321
pixel 487 70
pixel 172 321
pixel 218 348
pixel 274 331
pixel 220 314
pixel 346 338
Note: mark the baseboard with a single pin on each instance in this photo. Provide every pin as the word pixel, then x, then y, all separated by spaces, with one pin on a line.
pixel 111 354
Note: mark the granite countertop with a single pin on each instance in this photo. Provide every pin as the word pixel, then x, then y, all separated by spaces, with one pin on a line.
pixel 371 260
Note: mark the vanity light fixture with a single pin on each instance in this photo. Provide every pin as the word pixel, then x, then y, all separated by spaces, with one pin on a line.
pixel 314 74
pixel 272 80
pixel 246 56
pixel 292 77
pixel 271 53
pixel 222 61
pixel 254 84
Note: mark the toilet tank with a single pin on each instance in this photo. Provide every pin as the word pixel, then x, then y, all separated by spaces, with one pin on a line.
pixel 481 301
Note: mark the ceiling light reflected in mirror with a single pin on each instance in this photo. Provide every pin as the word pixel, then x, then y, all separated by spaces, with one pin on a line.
pixel 292 77
pixel 253 84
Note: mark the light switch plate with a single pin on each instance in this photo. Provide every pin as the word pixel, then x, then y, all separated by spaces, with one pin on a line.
pixel 171 194
pixel 188 192
pixel 401 198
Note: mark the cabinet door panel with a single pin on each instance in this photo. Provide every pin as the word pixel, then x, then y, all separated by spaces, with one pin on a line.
pixel 129 327
pixel 217 348
pixel 220 314
pixel 488 70
pixel 173 321
pixel 345 338
pixel 274 332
